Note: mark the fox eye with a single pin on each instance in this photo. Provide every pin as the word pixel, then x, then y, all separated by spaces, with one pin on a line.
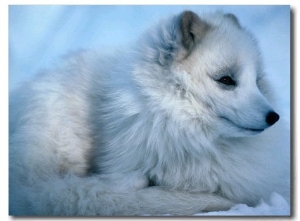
pixel 227 81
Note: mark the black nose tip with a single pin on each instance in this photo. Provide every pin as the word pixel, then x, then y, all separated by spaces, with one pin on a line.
pixel 272 118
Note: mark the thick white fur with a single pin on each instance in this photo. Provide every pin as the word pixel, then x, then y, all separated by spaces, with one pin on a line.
pixel 154 113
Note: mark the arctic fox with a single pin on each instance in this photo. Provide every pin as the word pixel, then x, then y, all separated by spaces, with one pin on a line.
pixel 181 123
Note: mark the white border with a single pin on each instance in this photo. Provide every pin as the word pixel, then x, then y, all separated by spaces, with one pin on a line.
pixel 4 84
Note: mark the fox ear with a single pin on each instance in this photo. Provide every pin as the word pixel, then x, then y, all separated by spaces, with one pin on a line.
pixel 234 19
pixel 192 29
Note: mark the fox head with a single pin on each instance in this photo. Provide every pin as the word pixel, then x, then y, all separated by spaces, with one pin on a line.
pixel 207 72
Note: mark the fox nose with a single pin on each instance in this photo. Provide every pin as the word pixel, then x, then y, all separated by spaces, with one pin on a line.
pixel 272 118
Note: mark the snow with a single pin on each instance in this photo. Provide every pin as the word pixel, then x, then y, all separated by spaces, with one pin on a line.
pixel 39 35
pixel 278 206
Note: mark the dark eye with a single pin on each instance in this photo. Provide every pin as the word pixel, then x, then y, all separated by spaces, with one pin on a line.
pixel 227 81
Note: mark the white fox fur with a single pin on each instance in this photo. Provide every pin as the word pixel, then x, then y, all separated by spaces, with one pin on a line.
pixel 175 125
